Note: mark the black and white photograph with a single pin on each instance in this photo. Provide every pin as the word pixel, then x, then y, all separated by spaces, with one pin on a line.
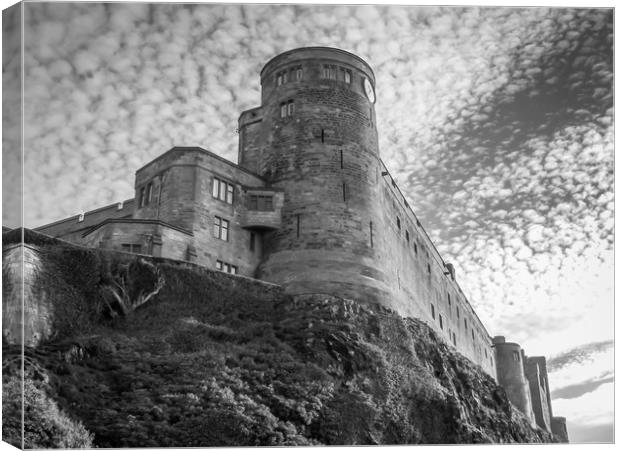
pixel 279 225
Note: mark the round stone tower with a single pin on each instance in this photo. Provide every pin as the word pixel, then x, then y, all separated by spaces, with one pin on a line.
pixel 317 140
pixel 511 375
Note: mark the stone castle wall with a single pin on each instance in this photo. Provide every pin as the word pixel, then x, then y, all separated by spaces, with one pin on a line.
pixel 338 225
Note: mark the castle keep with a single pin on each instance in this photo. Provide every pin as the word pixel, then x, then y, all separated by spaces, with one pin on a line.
pixel 309 206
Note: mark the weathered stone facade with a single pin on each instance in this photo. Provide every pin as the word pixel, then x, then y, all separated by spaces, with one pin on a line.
pixel 310 207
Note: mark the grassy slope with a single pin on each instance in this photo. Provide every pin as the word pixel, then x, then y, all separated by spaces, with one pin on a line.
pixel 220 360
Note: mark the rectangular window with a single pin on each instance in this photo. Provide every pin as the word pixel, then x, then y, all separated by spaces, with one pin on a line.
pixel 281 78
pixel 216 187
pixel 329 72
pixel 407 235
pixel 290 108
pixel 298 73
pixel 229 194
pixel 142 197
pixel 283 109
pixel 433 311
pixel 149 193
pixel 134 248
pixel 225 267
pixel 440 322
pixel 223 191
pixel 346 75
pixel 260 202
pixel 220 228
pixel 515 355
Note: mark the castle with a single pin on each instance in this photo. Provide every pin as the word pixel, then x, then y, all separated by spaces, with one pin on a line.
pixel 310 206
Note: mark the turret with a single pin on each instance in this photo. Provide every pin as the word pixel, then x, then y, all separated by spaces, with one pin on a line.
pixel 314 136
pixel 511 375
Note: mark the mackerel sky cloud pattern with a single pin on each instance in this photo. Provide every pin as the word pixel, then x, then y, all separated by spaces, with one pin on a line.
pixel 497 123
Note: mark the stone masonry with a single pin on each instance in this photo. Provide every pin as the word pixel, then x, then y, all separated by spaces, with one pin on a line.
pixel 311 207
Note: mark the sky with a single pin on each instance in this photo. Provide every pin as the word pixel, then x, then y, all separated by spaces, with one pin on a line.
pixel 496 123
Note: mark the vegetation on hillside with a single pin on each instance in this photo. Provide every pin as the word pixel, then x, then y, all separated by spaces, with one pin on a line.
pixel 218 360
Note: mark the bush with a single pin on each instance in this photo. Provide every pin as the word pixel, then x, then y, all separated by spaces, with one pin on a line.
pixel 45 426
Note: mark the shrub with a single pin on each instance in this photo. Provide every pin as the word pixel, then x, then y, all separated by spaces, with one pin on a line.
pixel 45 426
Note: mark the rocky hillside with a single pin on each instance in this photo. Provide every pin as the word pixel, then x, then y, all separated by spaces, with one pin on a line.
pixel 214 360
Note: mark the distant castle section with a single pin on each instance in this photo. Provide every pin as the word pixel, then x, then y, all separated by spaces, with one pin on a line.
pixel 310 207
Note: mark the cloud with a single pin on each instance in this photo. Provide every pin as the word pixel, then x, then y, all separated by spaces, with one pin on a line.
pixel 497 124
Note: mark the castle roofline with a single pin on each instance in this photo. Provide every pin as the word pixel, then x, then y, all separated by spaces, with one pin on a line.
pixel 314 49
pixel 204 151
pixel 114 206
pixel 136 221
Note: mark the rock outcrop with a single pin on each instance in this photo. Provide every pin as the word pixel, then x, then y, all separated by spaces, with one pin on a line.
pixel 219 360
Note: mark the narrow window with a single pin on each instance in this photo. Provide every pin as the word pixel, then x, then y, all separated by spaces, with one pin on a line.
pixel 298 225
pixel 325 72
pixel 224 230
pixel 233 269
pixel 458 314
pixel 252 241
pixel 415 248
pixel 485 353
pixel 472 335
pixel 465 324
pixel 347 75
pixel 371 243
pixel 290 107
pixel 344 192
pixel 440 322
pixel 283 110
pixel 341 159
pixel 149 192
pixel 253 202
pixel 216 187
pixel 515 356
pixel 142 198
pixel 223 191
pixel 428 267
pixel 226 267
pixel 454 338
pixel 449 301
pixel 217 226
pixel 298 74
pixel 322 135
pixel 279 79
pixel 218 265
pixel 433 311
pixel 398 222
pixel 229 194
pixel 491 358
pixel 407 235
pixel 220 228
